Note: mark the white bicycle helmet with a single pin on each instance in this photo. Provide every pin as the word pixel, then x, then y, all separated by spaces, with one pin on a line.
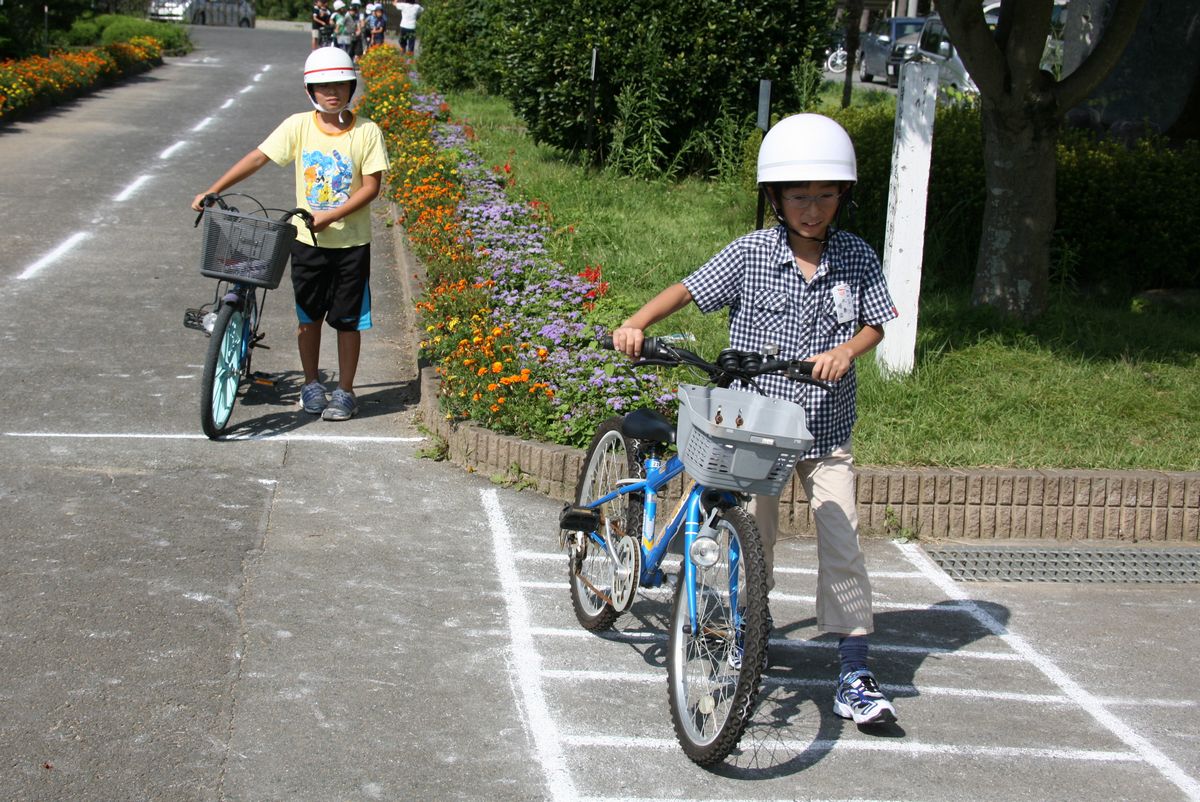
pixel 338 5
pixel 329 65
pixel 806 147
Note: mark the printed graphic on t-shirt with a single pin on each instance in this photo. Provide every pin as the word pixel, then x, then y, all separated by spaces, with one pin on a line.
pixel 327 178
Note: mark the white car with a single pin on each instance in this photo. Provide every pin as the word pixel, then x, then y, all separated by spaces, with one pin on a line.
pixel 204 12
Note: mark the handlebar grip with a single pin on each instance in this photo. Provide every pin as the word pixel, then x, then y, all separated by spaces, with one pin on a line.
pixel 652 347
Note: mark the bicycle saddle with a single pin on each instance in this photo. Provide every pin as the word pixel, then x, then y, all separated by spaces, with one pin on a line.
pixel 646 424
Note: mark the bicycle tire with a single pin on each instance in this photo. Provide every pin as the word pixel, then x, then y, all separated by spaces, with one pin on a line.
pixel 611 456
pixel 224 365
pixel 712 701
pixel 836 63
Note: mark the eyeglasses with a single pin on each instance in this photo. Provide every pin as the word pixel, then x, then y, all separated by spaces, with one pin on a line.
pixel 824 200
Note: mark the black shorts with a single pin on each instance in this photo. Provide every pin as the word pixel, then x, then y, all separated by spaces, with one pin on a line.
pixel 333 283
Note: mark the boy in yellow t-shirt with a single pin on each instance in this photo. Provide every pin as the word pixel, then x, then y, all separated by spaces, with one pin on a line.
pixel 340 159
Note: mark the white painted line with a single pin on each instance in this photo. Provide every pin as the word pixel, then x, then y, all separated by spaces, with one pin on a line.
pixel 554 556
pixel 266 68
pixel 775 598
pixel 652 678
pixel 227 103
pixel 257 77
pixel 526 661
pixel 894 746
pixel 54 255
pixel 133 187
pixel 200 126
pixel 641 636
pixel 295 438
pixel 166 154
pixel 246 89
pixel 1083 698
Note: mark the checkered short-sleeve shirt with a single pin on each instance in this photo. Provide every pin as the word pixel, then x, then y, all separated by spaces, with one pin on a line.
pixel 769 302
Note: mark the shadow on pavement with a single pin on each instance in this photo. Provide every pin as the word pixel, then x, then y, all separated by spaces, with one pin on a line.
pixel 282 414
pixel 795 705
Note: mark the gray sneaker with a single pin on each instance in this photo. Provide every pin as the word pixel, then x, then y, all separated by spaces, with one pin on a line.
pixel 313 398
pixel 342 406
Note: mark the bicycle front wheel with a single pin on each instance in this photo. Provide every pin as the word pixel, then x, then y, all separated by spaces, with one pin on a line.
pixel 836 62
pixel 714 668
pixel 603 585
pixel 227 350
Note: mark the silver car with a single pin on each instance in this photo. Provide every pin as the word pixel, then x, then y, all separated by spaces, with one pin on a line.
pixel 934 46
pixel 204 12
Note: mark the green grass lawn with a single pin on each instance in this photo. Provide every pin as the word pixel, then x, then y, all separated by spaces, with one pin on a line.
pixel 1090 385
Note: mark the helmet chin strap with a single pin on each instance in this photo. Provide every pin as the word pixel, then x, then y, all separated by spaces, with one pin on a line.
pixel 312 98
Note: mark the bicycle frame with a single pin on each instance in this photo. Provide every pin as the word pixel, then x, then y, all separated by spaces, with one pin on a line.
pixel 688 517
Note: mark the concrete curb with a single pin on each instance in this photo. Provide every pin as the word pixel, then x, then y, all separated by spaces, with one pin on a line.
pixel 930 503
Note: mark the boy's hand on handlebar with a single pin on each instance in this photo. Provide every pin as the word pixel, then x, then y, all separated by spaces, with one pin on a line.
pixel 322 220
pixel 831 365
pixel 198 202
pixel 628 340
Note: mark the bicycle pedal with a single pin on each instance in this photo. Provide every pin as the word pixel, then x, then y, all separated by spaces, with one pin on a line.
pixel 578 519
pixel 262 378
pixel 193 319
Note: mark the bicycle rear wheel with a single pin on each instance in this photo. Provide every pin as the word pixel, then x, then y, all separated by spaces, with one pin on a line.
pixel 228 349
pixel 712 693
pixel 603 588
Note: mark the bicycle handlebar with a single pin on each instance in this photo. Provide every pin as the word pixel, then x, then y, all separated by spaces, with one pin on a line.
pixel 213 199
pixel 731 363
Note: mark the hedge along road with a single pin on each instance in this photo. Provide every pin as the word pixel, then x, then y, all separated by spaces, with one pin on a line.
pixel 313 612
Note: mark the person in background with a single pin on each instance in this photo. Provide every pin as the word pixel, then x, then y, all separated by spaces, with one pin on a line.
pixel 409 12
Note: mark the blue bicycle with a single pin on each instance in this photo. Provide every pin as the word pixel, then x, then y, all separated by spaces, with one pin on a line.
pixel 732 443
pixel 247 253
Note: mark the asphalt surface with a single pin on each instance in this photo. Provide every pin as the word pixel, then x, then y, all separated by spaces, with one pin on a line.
pixel 313 611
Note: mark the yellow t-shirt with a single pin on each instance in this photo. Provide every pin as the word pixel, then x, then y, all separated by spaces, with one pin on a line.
pixel 329 167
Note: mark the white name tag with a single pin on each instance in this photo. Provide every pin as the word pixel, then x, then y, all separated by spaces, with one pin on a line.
pixel 843 303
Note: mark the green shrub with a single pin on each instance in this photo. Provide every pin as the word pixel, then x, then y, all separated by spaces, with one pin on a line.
pixel 1128 214
pixel 83 32
pixel 688 62
pixel 458 44
pixel 285 9
pixel 122 29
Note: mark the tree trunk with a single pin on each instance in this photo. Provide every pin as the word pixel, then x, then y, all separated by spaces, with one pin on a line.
pixel 1013 269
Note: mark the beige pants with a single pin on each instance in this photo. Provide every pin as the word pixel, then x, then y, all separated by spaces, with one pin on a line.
pixel 843 588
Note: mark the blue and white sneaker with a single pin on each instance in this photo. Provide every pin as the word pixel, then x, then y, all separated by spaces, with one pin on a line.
pixel 342 406
pixel 858 697
pixel 313 398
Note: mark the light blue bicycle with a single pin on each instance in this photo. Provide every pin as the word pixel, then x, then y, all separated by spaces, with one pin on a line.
pixel 732 443
pixel 247 253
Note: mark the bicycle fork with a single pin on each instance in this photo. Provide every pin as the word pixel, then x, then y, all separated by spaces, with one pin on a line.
pixel 702 549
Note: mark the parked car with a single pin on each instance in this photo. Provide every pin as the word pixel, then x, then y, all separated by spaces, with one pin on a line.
pixel 204 12
pixel 904 49
pixel 934 45
pixel 877 44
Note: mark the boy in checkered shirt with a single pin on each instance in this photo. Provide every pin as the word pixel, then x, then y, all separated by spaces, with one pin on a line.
pixel 819 294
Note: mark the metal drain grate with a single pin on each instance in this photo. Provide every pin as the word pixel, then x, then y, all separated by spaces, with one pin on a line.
pixel 1069 565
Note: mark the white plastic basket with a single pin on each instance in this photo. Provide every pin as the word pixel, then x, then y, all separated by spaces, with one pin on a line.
pixel 737 440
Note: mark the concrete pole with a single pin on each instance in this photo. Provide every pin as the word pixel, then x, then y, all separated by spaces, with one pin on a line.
pixel 904 242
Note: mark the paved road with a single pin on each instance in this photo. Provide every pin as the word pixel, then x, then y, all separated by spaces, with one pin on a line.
pixel 315 612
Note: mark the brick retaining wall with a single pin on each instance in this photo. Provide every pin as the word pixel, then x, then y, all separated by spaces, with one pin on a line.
pixel 1126 507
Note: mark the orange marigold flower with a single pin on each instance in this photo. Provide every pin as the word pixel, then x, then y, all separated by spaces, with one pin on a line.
pixel 497 367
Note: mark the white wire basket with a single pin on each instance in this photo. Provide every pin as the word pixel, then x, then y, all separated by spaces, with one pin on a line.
pixel 737 440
